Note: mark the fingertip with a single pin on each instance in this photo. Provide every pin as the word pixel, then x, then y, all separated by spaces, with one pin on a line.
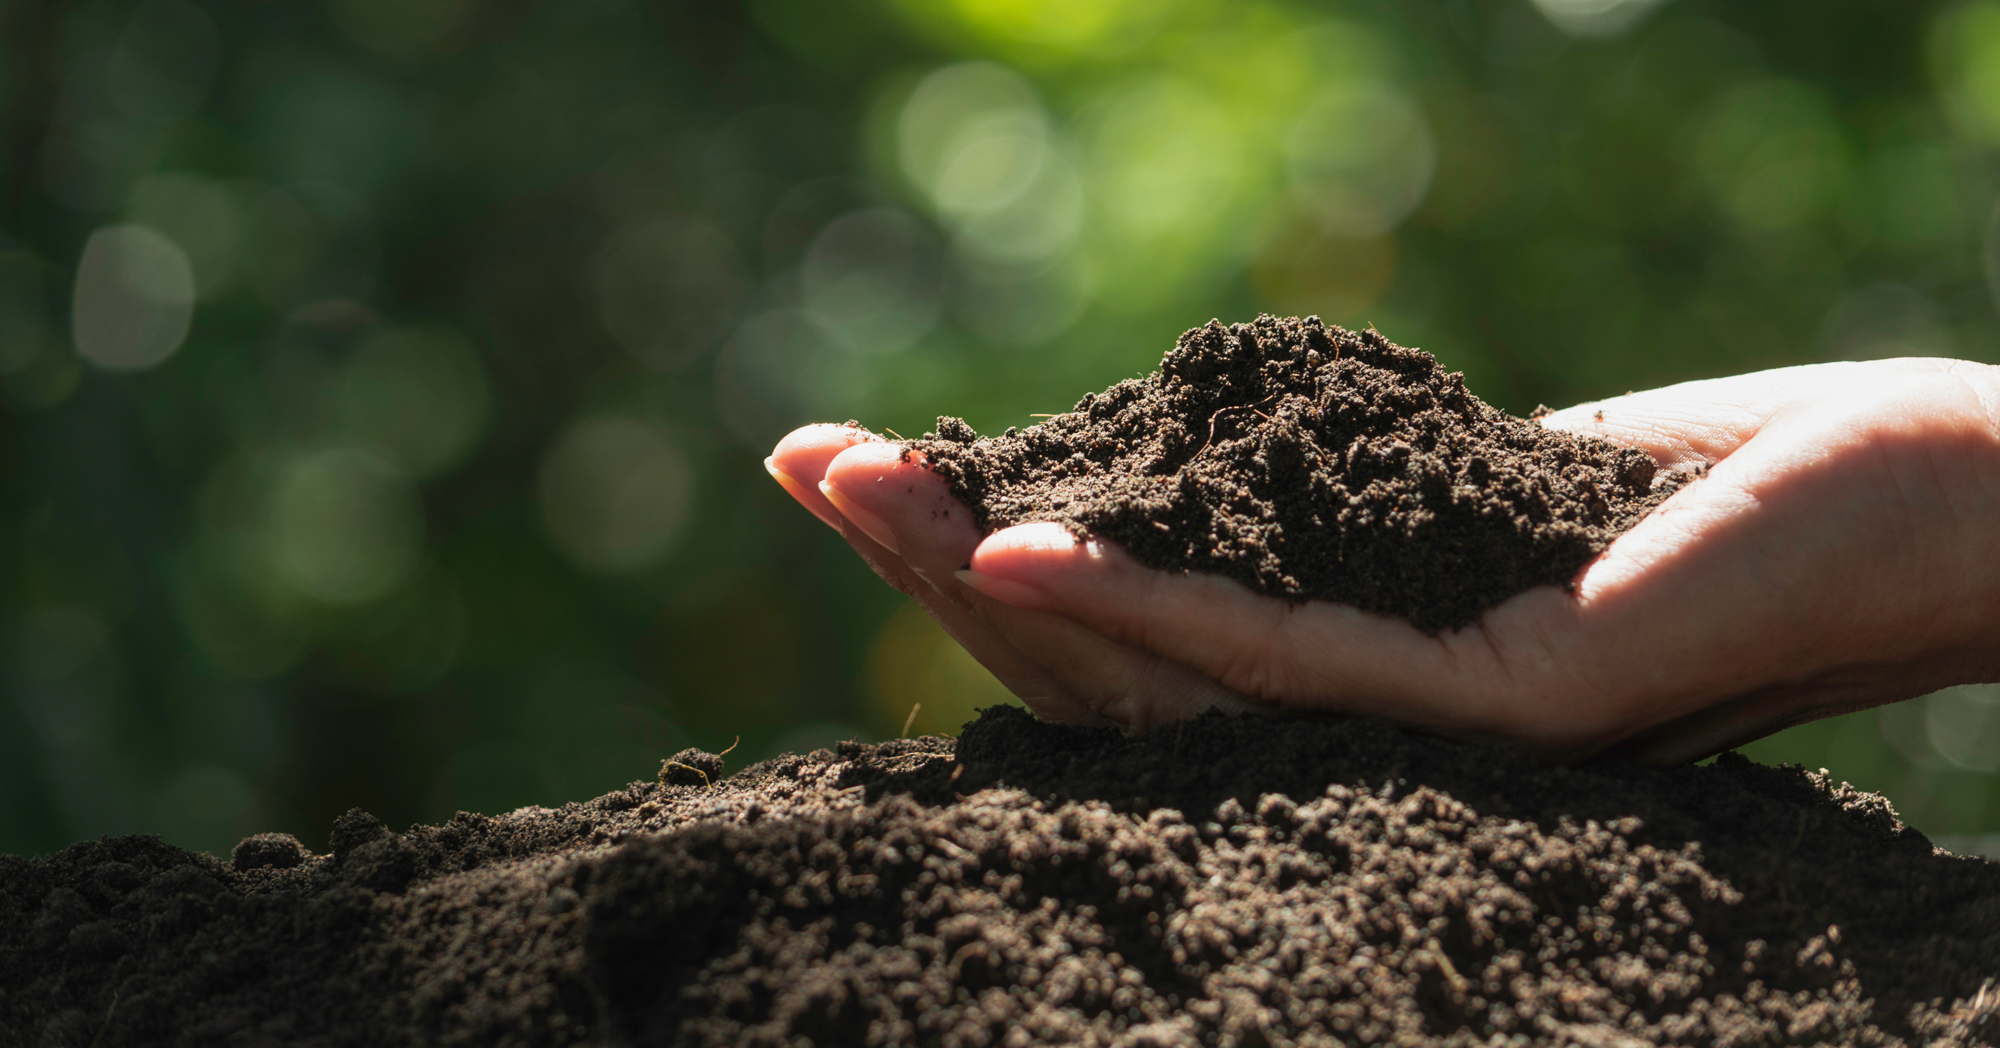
pixel 800 460
pixel 820 433
pixel 1042 538
pixel 1031 553
pixel 876 456
pixel 860 516
pixel 871 484
pixel 805 453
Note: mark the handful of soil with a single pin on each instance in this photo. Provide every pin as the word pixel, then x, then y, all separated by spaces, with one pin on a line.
pixel 1310 462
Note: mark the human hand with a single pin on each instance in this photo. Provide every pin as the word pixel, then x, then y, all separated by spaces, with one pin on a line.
pixel 1842 551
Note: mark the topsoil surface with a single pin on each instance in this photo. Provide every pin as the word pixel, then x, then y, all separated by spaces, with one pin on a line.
pixel 1234 882
pixel 1311 462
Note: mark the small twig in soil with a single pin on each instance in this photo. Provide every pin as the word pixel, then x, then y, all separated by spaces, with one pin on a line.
pixel 107 1025
pixel 911 719
pixel 900 764
pixel 1252 408
pixel 705 783
pixel 1450 970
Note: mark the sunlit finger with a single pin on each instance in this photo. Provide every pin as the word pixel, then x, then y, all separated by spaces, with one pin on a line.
pixel 799 463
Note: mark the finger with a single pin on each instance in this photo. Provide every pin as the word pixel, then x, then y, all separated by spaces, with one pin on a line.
pixel 887 491
pixel 1693 423
pixel 1317 655
pixel 905 505
pixel 856 482
pixel 799 463
pixel 1700 423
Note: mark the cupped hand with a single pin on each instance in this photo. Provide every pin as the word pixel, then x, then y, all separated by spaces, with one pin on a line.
pixel 1842 550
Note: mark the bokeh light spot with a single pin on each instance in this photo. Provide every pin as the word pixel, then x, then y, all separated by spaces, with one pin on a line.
pixel 164 62
pixel 872 281
pixel 1043 29
pixel 1165 160
pixel 991 162
pixel 1362 158
pixel 346 525
pixel 1037 226
pixel 1912 199
pixel 134 298
pixel 1022 309
pixel 209 220
pixel 975 141
pixel 1771 154
pixel 241 638
pixel 666 289
pixel 1963 725
pixel 947 110
pixel 1596 18
pixel 771 377
pixel 1966 44
pixel 418 394
pixel 613 493
pixel 1884 320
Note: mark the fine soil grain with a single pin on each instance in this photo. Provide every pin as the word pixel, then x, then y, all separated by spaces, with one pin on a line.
pixel 1239 881
pixel 1313 463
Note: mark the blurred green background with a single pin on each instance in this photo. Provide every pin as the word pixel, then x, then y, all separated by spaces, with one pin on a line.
pixel 385 381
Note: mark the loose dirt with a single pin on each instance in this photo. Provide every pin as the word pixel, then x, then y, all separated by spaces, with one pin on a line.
pixel 1233 882
pixel 1312 462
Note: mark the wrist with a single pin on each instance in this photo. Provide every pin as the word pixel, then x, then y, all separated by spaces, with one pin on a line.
pixel 1979 658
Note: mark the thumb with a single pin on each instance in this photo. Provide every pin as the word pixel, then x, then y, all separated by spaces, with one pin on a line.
pixel 1694 423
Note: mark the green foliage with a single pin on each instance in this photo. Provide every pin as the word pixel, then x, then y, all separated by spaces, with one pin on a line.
pixel 385 382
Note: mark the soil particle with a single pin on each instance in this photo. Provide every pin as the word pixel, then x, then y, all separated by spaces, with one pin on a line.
pixel 280 851
pixel 1240 881
pixel 691 767
pixel 1313 463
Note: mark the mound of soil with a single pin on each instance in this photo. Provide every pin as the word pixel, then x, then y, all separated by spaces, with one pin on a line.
pixel 1240 881
pixel 1313 463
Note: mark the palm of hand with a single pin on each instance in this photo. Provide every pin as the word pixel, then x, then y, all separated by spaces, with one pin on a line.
pixel 1841 552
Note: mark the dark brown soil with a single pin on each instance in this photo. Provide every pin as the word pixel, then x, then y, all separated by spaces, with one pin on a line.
pixel 1313 463
pixel 1234 882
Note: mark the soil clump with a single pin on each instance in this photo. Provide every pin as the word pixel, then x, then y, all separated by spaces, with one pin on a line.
pixel 1238 882
pixel 1310 462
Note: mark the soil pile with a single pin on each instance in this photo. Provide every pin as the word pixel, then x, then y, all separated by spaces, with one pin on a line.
pixel 1311 462
pixel 1238 882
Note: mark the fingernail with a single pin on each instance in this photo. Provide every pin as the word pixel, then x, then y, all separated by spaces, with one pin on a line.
pixel 870 524
pixel 1006 591
pixel 800 492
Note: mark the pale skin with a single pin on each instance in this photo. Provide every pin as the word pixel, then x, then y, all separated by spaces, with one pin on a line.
pixel 1842 551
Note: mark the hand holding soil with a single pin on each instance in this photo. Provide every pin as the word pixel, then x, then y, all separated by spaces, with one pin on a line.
pixel 1841 550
